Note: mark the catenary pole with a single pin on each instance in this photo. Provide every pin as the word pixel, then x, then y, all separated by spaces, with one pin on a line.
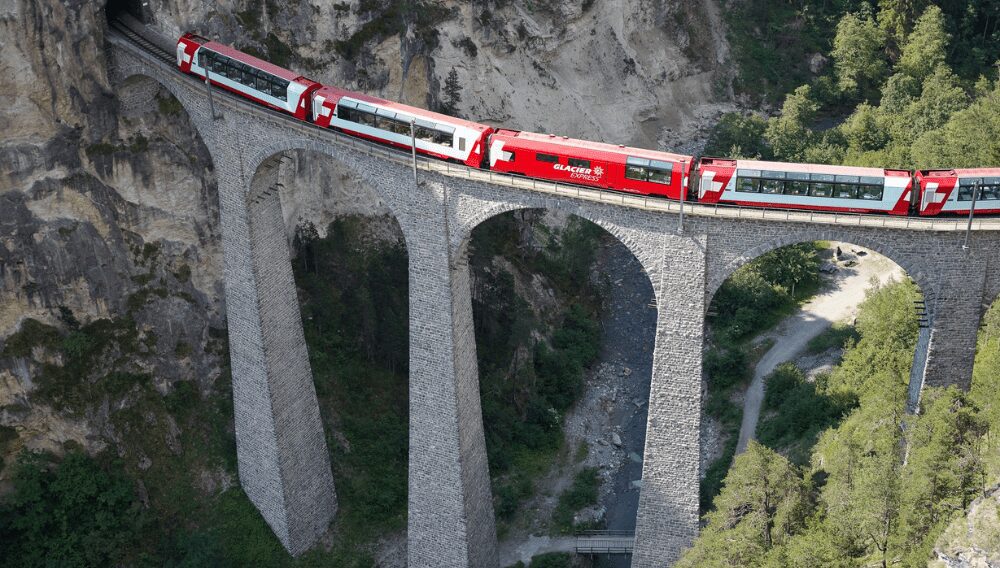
pixel 413 146
pixel 972 211
pixel 680 220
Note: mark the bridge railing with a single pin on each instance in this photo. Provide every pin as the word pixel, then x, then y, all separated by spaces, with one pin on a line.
pixel 605 542
pixel 655 204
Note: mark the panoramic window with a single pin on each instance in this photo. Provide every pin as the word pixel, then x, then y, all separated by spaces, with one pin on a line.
pixel 659 172
pixel 771 186
pixel 747 185
pixel 870 192
pixel 546 158
pixel 820 189
pixel 636 168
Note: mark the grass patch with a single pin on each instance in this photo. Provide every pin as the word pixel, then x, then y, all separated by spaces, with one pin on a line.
pixel 582 494
pixel 838 335
pixel 795 412
pixel 169 105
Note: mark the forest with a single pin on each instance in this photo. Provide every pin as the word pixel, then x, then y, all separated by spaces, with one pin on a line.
pixel 903 84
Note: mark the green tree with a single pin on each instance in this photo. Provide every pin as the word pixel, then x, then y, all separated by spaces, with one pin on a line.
pixel 790 266
pixel 896 17
pixel 452 94
pixel 738 135
pixel 67 514
pixel 970 138
pixel 944 469
pixel 788 134
pixel 857 54
pixel 864 130
pixel 926 46
pixel 762 504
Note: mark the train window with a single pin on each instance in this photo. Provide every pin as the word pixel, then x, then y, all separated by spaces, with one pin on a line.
pixel 461 144
pixel 990 191
pixel 870 192
pixel 657 175
pixel 772 175
pixel 771 185
pixel 820 189
pixel 366 118
pixel 546 158
pixel 577 163
pixel 442 138
pixel 348 114
pixel 796 187
pixel 635 172
pixel 400 127
pixel 845 191
pixel 965 192
pixel 747 185
pixel 426 134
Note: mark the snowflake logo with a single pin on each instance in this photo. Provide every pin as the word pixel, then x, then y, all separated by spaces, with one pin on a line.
pixel 598 171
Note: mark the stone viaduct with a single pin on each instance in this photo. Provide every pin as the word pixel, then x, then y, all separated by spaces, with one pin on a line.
pixel 283 460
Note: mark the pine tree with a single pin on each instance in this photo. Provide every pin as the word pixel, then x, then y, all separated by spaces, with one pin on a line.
pixel 452 94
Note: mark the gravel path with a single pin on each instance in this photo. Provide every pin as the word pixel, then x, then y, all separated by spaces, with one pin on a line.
pixel 839 301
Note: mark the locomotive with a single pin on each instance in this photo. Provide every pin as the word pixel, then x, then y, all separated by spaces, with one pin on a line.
pixel 750 183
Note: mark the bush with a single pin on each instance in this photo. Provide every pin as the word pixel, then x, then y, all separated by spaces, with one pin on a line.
pixel 67 514
pixel 583 493
pixel 552 560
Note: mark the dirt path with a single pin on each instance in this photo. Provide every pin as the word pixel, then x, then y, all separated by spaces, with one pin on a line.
pixel 839 301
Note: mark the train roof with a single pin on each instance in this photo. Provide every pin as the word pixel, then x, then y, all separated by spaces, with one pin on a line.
pixel 816 168
pixel 336 93
pixel 265 66
pixel 552 143
pixel 960 172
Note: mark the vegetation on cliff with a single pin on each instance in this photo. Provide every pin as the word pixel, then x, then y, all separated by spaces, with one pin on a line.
pixel 754 298
pixel 532 360
pixel 911 84
pixel 879 486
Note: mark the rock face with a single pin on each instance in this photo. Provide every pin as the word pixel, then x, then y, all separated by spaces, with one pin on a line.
pixel 104 215
pixel 622 71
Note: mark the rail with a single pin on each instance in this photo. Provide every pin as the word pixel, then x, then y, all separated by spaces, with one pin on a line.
pixel 653 204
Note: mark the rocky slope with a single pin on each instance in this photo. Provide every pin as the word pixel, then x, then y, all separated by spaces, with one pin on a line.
pixel 621 71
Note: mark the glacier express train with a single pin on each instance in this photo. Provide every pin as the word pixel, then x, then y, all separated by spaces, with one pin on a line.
pixel 750 183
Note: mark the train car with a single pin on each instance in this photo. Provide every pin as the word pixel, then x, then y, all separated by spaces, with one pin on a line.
pixel 246 75
pixel 805 186
pixel 563 159
pixel 938 193
pixel 436 134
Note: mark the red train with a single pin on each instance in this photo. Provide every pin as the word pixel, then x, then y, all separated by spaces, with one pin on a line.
pixel 606 166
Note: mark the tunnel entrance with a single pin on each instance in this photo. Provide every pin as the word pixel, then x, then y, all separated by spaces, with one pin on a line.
pixel 137 9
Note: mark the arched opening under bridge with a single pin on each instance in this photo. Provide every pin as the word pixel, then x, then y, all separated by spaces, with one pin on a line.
pixel 350 267
pixel 564 320
pixel 797 335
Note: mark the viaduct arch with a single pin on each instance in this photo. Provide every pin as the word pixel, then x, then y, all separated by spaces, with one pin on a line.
pixel 283 460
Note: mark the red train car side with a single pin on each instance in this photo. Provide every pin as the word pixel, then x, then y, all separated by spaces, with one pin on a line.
pixel 950 191
pixel 563 159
